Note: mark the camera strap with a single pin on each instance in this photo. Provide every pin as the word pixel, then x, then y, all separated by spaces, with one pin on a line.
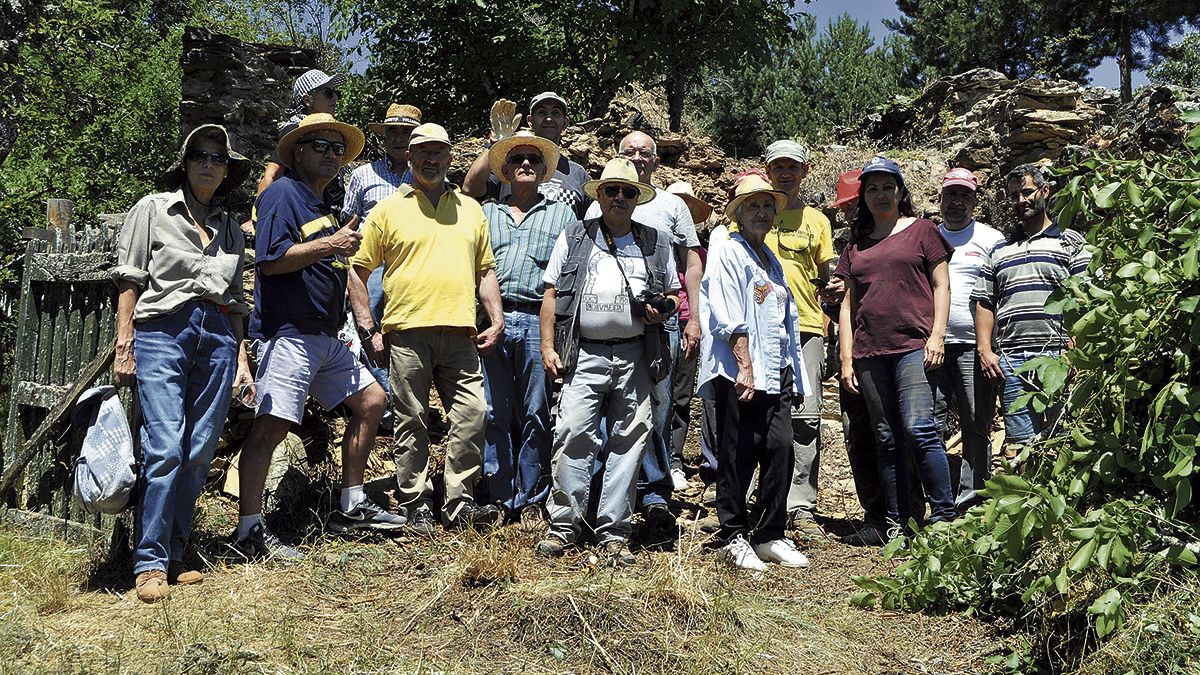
pixel 611 244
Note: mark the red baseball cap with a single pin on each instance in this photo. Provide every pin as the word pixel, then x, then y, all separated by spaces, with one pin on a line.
pixel 962 177
pixel 847 188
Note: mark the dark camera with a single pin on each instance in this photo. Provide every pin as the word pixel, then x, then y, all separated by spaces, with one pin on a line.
pixel 658 301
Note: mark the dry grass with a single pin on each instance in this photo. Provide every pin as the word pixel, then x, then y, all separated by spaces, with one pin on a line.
pixel 470 603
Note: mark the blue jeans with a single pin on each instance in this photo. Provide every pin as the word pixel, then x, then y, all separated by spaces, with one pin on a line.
pixel 516 445
pixel 1023 424
pixel 185 363
pixel 899 395
pixel 609 391
pixel 654 483
pixel 376 299
pixel 961 379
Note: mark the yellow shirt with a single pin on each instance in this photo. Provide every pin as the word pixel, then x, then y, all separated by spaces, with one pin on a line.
pixel 431 257
pixel 803 242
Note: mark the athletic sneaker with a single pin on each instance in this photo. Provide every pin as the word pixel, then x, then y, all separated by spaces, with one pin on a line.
pixel 365 516
pixel 678 479
pixel 421 522
pixel 739 554
pixel 259 544
pixel 781 551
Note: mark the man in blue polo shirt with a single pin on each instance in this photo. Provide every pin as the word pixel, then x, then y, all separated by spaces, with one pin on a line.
pixel 301 265
pixel 1010 296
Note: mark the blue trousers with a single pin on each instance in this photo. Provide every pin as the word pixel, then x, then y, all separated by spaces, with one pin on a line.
pixel 1024 423
pixel 186 362
pixel 517 439
pixel 899 393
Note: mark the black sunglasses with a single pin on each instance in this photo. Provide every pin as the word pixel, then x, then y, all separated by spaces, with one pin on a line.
pixel 625 191
pixel 331 92
pixel 518 160
pixel 322 146
pixel 216 158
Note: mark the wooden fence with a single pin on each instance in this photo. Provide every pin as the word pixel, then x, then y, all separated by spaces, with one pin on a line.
pixel 64 345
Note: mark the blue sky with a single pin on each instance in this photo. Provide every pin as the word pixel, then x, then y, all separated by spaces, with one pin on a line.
pixel 873 12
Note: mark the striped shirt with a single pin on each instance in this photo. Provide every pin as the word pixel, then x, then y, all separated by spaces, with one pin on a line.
pixel 371 184
pixel 522 250
pixel 1018 276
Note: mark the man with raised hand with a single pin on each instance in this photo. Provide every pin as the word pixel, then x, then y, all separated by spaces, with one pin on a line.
pixel 301 271
pixel 433 244
pixel 547 118
pixel 961 378
pixel 1015 281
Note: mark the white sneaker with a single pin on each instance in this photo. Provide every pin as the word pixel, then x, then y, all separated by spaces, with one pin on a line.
pixel 738 553
pixel 781 551
pixel 678 480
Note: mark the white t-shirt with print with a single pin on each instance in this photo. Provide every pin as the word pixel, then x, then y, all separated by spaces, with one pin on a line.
pixel 604 312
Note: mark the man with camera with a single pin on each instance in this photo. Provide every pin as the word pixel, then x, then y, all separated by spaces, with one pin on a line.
pixel 610 284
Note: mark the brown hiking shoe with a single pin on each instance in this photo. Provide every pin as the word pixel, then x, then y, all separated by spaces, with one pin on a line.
pixel 179 574
pixel 152 586
pixel 532 518
pixel 618 554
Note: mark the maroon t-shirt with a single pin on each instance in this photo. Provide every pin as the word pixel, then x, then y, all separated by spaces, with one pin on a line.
pixel 895 298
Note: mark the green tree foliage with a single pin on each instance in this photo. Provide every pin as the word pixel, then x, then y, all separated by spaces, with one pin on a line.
pixel 454 57
pixel 1181 65
pixel 810 82
pixel 1103 517
pixel 1023 38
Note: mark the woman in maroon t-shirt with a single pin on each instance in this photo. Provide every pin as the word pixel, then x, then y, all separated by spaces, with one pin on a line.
pixel 892 334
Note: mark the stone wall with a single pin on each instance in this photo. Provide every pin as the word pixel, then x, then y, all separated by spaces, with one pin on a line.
pixel 245 86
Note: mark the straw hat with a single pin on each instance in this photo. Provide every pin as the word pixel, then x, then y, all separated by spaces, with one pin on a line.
pixel 619 170
pixel 351 134
pixel 235 173
pixel 501 148
pixel 699 208
pixel 398 115
pixel 749 186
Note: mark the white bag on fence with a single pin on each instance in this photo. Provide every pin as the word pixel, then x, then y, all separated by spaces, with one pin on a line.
pixel 106 471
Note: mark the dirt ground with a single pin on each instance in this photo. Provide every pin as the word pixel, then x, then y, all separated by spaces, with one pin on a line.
pixel 465 602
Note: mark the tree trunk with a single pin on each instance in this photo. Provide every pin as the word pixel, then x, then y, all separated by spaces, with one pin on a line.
pixel 1125 56
pixel 676 86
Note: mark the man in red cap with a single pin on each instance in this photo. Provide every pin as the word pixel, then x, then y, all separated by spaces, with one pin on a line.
pixel 961 377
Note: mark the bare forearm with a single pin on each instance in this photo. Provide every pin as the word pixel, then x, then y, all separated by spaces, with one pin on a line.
pixel 845 332
pixel 272 172
pixel 740 344
pixel 489 296
pixel 985 323
pixel 297 257
pixel 360 301
pixel 475 182
pixel 546 319
pixel 693 274
pixel 127 298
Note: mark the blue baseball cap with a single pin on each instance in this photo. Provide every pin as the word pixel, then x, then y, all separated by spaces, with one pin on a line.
pixel 881 165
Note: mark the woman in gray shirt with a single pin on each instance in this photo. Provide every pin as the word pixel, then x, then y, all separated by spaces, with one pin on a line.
pixel 180 313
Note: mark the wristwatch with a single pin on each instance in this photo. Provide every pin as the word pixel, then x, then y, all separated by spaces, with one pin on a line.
pixel 365 334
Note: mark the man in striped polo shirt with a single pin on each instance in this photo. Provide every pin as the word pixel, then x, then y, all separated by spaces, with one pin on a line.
pixel 523 225
pixel 1010 299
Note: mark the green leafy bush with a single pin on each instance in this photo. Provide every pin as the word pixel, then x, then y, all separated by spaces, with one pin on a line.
pixel 1102 518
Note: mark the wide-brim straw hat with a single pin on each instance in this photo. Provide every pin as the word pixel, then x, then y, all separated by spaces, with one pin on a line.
pixel 699 208
pixel 501 148
pixel 235 173
pixel 398 115
pixel 622 171
pixel 351 135
pixel 750 186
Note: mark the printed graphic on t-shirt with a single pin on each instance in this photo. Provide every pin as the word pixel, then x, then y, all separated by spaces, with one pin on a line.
pixel 604 305
pixel 761 291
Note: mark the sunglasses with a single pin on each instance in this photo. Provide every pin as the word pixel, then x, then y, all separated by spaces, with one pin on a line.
pixel 215 158
pixel 625 191
pixel 646 153
pixel 322 146
pixel 331 92
pixel 518 160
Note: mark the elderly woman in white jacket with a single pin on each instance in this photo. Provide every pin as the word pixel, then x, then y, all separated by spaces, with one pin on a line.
pixel 750 368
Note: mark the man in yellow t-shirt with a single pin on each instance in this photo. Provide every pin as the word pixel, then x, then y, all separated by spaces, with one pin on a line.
pixel 433 243
pixel 803 241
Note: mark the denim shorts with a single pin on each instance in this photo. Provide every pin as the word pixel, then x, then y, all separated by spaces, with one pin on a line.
pixel 291 367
